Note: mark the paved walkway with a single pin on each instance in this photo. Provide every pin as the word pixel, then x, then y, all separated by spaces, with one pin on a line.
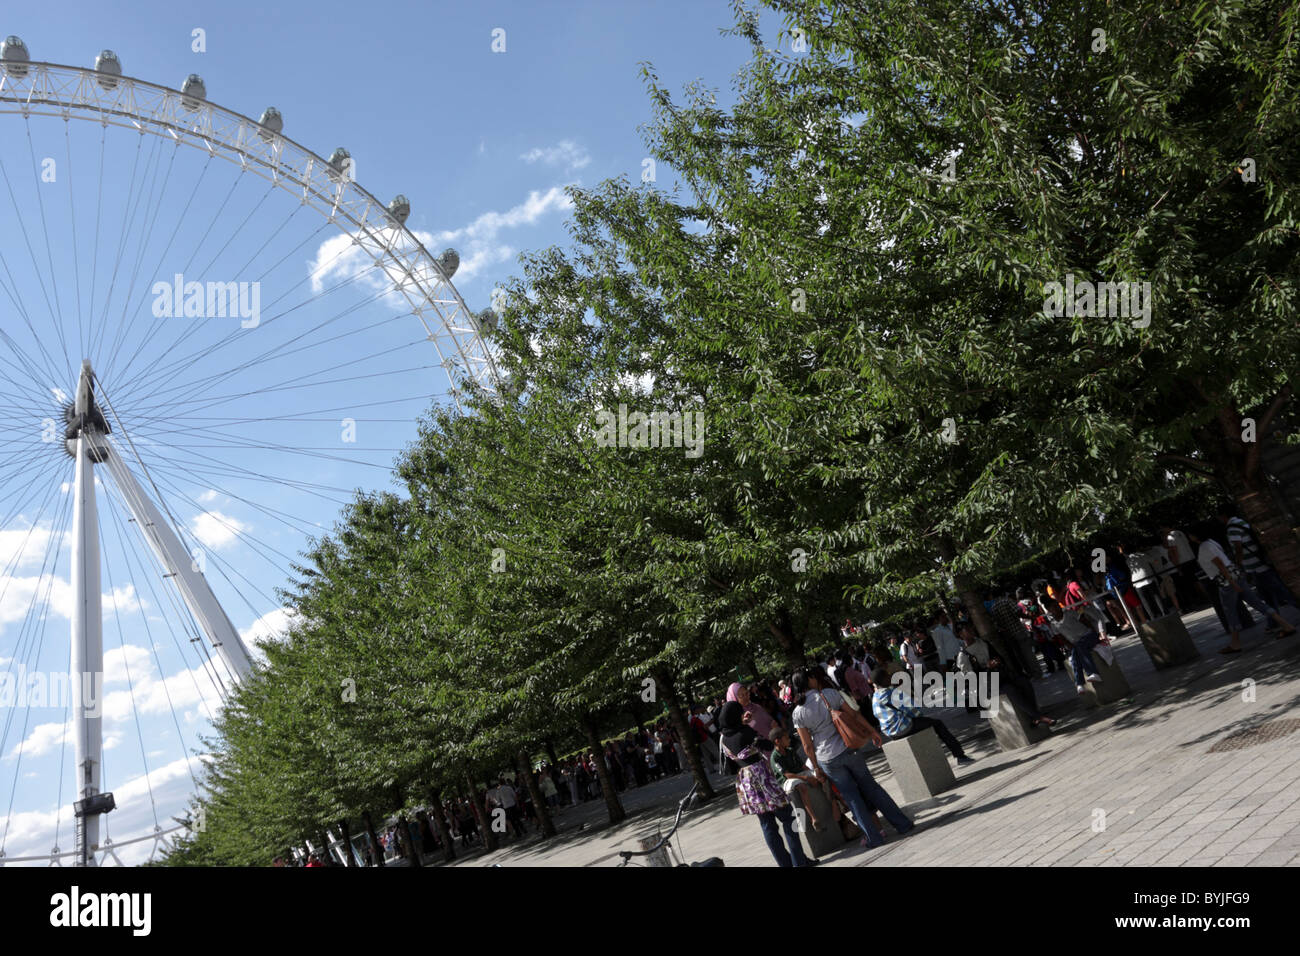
pixel 1176 774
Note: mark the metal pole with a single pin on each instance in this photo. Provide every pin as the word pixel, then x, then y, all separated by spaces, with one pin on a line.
pixel 87 632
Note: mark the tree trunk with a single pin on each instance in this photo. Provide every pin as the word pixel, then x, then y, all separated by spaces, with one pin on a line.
pixel 790 645
pixel 615 807
pixel 1236 463
pixel 346 831
pixel 704 791
pixel 550 752
pixel 376 848
pixel 969 595
pixel 489 835
pixel 408 844
pixel 440 821
pixel 535 792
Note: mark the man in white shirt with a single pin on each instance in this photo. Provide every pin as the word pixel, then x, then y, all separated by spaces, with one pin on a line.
pixel 1227 577
pixel 945 640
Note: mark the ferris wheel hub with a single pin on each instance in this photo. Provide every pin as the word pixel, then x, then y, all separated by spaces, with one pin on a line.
pixel 84 418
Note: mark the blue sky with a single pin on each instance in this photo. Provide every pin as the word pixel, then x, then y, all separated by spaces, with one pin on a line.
pixel 482 144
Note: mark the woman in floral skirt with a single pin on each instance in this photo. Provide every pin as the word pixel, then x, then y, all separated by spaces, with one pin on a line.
pixel 759 792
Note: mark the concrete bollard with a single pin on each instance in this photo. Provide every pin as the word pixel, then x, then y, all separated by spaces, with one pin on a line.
pixel 1167 641
pixel 1012 727
pixel 920 765
pixel 1113 686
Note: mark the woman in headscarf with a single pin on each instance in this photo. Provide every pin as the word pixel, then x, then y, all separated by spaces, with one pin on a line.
pixel 758 790
pixel 755 716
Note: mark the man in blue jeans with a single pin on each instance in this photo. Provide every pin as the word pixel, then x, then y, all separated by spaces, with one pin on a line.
pixel 830 757
pixel 1080 628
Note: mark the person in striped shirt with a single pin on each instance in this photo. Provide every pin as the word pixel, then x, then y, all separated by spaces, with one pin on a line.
pixel 1243 547
pixel 899 717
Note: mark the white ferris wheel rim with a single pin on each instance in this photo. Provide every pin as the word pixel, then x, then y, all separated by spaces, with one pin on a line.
pixel 72 92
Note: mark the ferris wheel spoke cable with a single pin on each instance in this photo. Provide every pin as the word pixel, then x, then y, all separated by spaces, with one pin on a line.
pixel 140 199
pixel 276 419
pixel 172 370
pixel 49 253
pixel 244 268
pixel 169 463
pixel 145 202
pixel 102 323
pixel 178 469
pixel 151 571
pixel 24 361
pixel 72 221
pixel 210 231
pixel 16 295
pixel 183 216
pixel 163 371
pixel 207 269
pixel 129 314
pixel 99 212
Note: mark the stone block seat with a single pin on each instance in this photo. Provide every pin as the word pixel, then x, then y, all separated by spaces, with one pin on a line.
pixel 1113 686
pixel 919 763
pixel 1012 727
pixel 1167 642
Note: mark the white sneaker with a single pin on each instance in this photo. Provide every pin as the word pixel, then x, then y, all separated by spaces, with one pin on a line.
pixel 1094 678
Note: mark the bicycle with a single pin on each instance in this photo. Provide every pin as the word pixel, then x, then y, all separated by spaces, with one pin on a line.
pixel 664 841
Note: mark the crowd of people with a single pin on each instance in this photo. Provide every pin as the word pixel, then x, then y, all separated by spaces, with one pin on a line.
pixel 783 738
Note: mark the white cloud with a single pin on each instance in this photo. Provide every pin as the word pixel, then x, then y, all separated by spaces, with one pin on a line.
pixel 566 153
pixel 339 259
pixel 216 530
pixel 271 626
pixel 208 497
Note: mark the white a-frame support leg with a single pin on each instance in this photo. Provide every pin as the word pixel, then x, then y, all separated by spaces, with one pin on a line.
pixel 88 442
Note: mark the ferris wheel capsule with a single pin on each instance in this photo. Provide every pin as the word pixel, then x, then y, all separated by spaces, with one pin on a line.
pixel 341 161
pixel 486 320
pixel 448 262
pixel 272 123
pixel 13 53
pixel 194 91
pixel 399 209
pixel 110 66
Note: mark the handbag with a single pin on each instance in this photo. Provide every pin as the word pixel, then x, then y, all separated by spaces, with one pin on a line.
pixel 849 724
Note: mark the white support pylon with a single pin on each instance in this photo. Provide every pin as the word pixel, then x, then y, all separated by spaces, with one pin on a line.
pixel 88 442
pixel 87 626
pixel 180 566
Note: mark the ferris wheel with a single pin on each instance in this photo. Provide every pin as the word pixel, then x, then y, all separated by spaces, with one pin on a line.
pixel 209 337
